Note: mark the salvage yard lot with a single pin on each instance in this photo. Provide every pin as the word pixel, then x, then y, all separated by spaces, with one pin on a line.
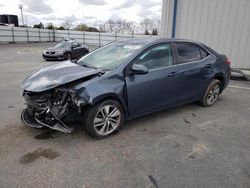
pixel 189 146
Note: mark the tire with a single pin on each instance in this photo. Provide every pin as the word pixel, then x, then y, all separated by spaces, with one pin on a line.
pixel 85 52
pixel 104 118
pixel 212 93
pixel 67 56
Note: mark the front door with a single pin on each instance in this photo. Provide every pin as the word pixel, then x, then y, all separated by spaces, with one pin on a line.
pixel 76 49
pixel 156 89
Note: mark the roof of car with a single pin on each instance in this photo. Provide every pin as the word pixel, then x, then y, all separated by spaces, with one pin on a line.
pixel 150 40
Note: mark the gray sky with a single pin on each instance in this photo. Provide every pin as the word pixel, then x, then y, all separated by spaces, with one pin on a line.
pixel 82 11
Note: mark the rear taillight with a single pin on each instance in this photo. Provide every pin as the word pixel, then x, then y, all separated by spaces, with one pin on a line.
pixel 228 61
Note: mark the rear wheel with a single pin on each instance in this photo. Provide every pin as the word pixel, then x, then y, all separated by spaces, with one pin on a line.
pixel 85 52
pixel 104 119
pixel 212 93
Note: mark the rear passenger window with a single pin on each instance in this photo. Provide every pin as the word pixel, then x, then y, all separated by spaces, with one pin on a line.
pixel 189 52
pixel 203 54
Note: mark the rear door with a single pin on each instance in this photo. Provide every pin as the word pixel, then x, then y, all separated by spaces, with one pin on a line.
pixel 77 50
pixel 196 67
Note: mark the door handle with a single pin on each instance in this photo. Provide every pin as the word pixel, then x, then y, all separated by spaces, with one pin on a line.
pixel 173 74
pixel 208 66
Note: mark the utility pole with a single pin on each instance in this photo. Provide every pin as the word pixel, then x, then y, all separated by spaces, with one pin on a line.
pixel 20 6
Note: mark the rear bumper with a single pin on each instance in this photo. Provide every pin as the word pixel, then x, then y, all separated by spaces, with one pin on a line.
pixel 228 76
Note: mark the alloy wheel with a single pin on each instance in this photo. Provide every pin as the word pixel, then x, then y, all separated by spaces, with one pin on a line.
pixel 69 56
pixel 213 94
pixel 107 120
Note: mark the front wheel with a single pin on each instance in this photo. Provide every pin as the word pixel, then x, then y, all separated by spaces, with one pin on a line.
pixel 212 93
pixel 68 56
pixel 104 119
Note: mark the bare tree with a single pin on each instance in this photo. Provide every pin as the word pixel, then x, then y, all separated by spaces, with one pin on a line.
pixel 119 26
pixel 67 24
pixel 111 25
pixel 147 24
pixel 129 26
pixel 123 26
pixel 102 27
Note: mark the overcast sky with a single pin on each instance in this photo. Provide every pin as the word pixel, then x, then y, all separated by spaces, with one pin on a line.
pixel 91 12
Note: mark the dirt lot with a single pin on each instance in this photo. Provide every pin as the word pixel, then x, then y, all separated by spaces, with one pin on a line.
pixel 189 146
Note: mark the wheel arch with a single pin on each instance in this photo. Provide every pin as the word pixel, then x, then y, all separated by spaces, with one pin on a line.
pixel 221 78
pixel 111 96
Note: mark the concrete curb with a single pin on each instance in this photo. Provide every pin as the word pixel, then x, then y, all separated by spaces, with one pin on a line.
pixel 238 74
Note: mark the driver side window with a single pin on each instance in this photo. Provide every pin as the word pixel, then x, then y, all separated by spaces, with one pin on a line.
pixel 75 44
pixel 157 57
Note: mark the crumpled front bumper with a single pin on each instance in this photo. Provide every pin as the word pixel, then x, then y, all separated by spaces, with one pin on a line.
pixel 42 112
pixel 29 120
pixel 34 122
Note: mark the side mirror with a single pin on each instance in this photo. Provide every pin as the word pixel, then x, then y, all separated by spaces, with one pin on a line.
pixel 139 69
pixel 73 46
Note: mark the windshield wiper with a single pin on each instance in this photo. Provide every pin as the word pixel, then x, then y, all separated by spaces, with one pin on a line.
pixel 102 71
pixel 85 65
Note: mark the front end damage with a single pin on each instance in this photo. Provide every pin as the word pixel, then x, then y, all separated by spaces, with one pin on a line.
pixel 50 108
pixel 51 97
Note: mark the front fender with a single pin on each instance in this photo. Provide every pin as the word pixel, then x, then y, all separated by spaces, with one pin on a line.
pixel 103 88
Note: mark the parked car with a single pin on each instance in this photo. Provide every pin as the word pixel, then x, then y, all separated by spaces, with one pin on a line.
pixel 65 49
pixel 121 81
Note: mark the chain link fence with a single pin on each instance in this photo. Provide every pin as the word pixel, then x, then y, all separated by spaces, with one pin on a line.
pixel 9 34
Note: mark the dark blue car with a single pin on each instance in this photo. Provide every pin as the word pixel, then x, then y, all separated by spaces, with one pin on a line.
pixel 121 81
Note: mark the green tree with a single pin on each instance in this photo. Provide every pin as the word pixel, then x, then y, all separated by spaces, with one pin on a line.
pixel 92 29
pixel 61 28
pixel 155 32
pixel 146 32
pixel 50 26
pixel 40 25
pixel 82 27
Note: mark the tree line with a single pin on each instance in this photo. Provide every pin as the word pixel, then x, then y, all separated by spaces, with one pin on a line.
pixel 146 26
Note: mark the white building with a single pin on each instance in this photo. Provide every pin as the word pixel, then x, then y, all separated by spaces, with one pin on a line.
pixel 223 25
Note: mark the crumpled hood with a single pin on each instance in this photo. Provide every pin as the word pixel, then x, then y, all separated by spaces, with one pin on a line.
pixel 55 75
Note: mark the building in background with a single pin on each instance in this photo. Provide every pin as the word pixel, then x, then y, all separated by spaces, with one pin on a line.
pixel 223 25
pixel 8 19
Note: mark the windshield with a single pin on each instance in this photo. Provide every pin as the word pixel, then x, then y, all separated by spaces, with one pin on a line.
pixel 109 56
pixel 62 45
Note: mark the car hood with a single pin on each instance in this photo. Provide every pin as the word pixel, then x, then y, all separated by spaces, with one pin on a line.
pixel 54 75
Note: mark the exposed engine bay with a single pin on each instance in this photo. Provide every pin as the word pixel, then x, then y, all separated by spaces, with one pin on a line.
pixel 49 108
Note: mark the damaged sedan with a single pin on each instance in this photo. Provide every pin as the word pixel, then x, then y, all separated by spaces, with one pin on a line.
pixel 121 81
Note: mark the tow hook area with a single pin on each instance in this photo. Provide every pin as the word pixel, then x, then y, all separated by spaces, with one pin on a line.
pixel 58 125
pixel 35 122
pixel 29 120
